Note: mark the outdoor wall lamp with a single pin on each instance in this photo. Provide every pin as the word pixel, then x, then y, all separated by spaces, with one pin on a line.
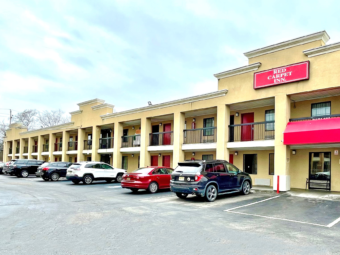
pixel 236 153
pixel 193 153
pixel 237 114
pixel 133 127
pixel 160 124
pixel 159 155
pixel 293 152
pixel 132 155
pixel 193 119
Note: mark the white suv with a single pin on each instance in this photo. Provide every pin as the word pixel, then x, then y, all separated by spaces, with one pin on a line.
pixel 87 172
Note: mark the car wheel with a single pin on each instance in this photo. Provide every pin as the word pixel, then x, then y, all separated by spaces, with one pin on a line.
pixel 134 190
pixel 181 195
pixel 88 179
pixel 153 187
pixel 246 188
pixel 211 193
pixel 55 177
pixel 119 178
pixel 24 173
pixel 75 182
pixel 46 179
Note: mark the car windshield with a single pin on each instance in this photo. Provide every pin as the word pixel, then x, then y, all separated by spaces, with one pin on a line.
pixel 75 166
pixel 45 164
pixel 143 170
pixel 188 168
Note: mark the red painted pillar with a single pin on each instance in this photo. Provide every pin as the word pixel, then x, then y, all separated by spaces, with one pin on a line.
pixel 278 185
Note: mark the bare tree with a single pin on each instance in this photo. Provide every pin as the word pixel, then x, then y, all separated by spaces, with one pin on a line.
pixel 3 127
pixel 27 118
pixel 52 118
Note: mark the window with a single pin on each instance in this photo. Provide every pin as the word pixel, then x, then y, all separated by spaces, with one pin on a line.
pixel 209 168
pixel 160 171
pixel 207 157
pixel 270 116
pixel 321 109
pixel 231 168
pixel 208 123
pixel 271 163
pixel 219 168
pixel 125 162
pixel 89 166
pixel 169 170
pixel 104 166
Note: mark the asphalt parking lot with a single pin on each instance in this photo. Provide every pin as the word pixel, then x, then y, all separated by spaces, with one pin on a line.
pixel 38 217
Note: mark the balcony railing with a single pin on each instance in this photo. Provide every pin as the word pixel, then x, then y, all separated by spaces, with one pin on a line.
pixel 26 149
pixel 161 138
pixel 87 144
pixel 46 148
pixel 72 146
pixel 10 151
pixel 252 131
pixel 17 150
pixel 106 143
pixel 131 141
pixel 34 148
pixel 315 117
pixel 58 146
pixel 200 135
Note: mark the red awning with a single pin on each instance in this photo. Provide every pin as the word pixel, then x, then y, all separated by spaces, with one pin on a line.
pixel 312 132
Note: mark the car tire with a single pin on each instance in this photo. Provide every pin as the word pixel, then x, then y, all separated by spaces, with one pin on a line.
pixel 75 182
pixel 88 179
pixel 246 188
pixel 46 179
pixel 119 178
pixel 24 173
pixel 55 177
pixel 134 190
pixel 211 193
pixel 181 195
pixel 153 187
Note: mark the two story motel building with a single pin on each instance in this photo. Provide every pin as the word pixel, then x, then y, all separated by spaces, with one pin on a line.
pixel 277 116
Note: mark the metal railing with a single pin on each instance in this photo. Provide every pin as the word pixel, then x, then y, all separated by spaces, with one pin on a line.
pixel 17 150
pixel 161 138
pixel 252 131
pixel 58 146
pixel 131 141
pixel 10 151
pixel 26 149
pixel 106 143
pixel 34 148
pixel 315 117
pixel 46 148
pixel 87 144
pixel 200 135
pixel 72 146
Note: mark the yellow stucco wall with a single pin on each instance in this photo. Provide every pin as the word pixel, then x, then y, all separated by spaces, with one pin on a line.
pixel 199 154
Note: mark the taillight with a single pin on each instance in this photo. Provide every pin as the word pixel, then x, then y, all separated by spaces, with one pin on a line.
pixel 45 168
pixel 198 177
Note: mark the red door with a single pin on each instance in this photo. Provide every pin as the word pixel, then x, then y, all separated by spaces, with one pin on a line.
pixel 154 160
pixel 231 158
pixel 247 132
pixel 166 161
pixel 167 136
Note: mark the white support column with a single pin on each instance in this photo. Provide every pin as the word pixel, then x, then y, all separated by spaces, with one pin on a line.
pixel 223 119
pixel 117 143
pixel 178 154
pixel 145 158
pixel 65 140
pixel 95 143
pixel 40 145
pixel 81 137
pixel 51 142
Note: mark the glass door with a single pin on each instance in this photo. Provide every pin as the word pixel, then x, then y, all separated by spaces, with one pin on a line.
pixel 320 170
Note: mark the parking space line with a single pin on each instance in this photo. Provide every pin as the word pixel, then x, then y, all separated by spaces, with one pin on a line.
pixel 264 200
pixel 334 222
pixel 273 218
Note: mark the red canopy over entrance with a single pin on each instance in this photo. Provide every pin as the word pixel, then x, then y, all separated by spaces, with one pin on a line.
pixel 312 131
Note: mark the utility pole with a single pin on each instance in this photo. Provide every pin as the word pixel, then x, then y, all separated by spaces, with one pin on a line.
pixel 10 116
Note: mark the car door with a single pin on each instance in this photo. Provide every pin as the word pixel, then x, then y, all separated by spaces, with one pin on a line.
pixel 235 180
pixel 97 171
pixel 61 169
pixel 157 176
pixel 32 166
pixel 108 171
pixel 223 176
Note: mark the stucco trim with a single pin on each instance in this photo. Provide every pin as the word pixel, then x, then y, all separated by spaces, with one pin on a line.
pixel 92 101
pixel 237 71
pixel 76 112
pixel 102 106
pixel 322 50
pixel 322 35
pixel 202 97
pixel 49 128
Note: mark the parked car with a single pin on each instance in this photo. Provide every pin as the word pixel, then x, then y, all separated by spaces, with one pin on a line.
pixel 25 167
pixel 87 172
pixel 151 178
pixel 53 171
pixel 1 166
pixel 5 169
pixel 209 179
pixel 39 169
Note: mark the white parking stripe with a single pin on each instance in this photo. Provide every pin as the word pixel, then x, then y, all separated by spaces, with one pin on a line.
pixel 334 222
pixel 251 203
pixel 273 218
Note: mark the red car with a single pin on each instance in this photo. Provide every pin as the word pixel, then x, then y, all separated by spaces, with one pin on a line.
pixel 151 178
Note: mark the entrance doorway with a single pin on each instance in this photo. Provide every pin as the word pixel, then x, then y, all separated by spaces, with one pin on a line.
pixel 166 161
pixel 231 130
pixel 250 163
pixel 105 158
pixel 167 136
pixel 154 160
pixel 155 135
pixel 320 170
pixel 247 131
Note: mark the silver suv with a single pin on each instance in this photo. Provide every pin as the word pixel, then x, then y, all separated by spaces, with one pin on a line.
pixel 87 172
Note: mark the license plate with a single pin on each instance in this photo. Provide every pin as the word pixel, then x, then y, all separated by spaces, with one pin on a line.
pixel 181 178
pixel 128 179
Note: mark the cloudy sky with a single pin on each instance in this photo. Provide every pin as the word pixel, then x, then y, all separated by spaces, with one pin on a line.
pixel 57 53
